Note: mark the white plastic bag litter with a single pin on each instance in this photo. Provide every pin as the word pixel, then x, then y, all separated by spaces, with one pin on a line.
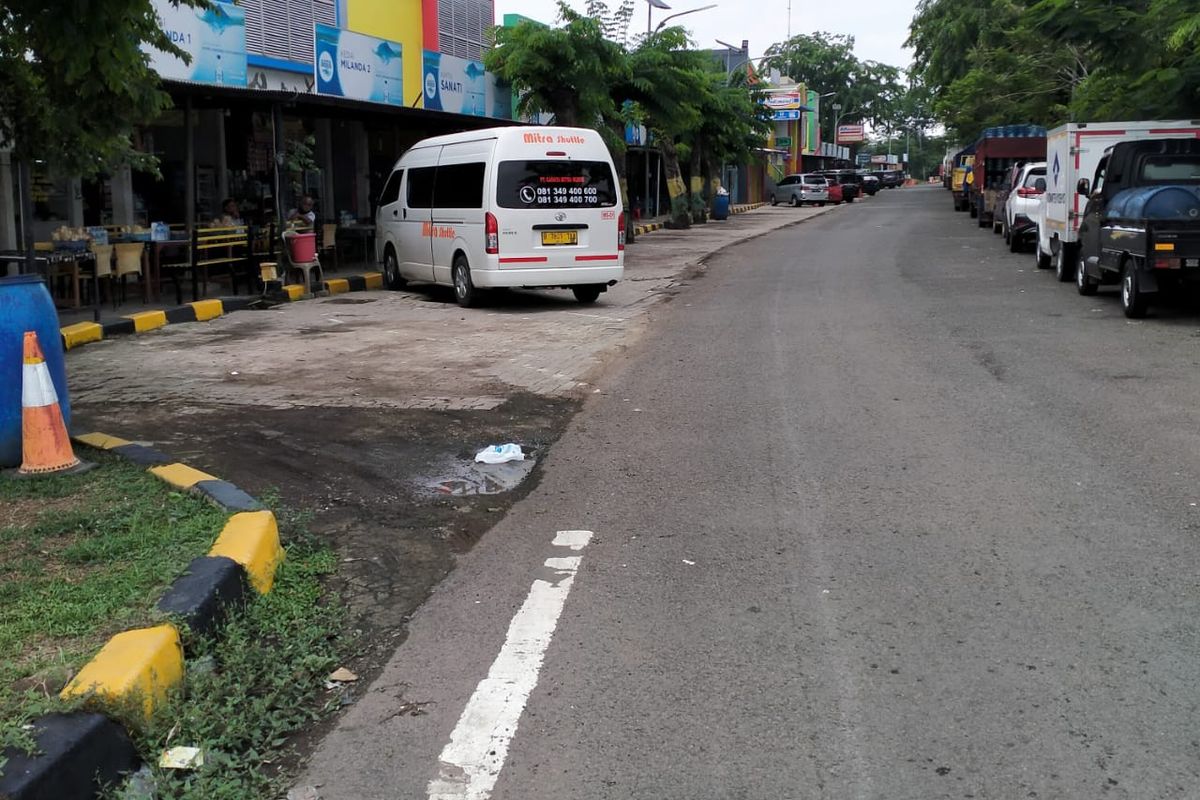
pixel 500 454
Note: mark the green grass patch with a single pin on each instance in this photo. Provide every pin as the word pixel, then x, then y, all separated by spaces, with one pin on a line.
pixel 259 680
pixel 83 557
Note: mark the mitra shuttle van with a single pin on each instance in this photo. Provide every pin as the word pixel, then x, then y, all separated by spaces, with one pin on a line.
pixel 528 207
pixel 1073 151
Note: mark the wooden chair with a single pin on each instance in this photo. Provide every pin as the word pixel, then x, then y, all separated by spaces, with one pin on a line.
pixel 130 262
pixel 102 269
pixel 328 242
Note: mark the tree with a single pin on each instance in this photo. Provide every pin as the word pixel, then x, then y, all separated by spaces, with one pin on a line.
pixel 71 96
pixel 565 71
pixel 667 83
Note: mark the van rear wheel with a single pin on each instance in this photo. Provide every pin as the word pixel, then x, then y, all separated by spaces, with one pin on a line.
pixel 587 294
pixel 464 289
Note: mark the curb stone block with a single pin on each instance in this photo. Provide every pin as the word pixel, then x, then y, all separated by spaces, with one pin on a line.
pixel 78 753
pixel 204 594
pixel 142 455
pixel 181 475
pixel 142 664
pixel 227 496
pixel 251 538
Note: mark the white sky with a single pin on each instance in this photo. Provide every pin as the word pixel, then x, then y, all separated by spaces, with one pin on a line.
pixel 878 26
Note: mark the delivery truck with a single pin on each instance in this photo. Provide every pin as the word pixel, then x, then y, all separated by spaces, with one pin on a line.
pixel 998 150
pixel 1073 151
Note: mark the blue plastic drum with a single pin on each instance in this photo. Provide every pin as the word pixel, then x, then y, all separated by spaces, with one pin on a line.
pixel 25 305
pixel 720 206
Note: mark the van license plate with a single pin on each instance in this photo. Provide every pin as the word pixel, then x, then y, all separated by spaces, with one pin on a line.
pixel 560 237
pixel 1191 262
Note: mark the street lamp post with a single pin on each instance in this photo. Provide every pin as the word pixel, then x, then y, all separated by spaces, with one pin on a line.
pixel 650 6
pixel 663 21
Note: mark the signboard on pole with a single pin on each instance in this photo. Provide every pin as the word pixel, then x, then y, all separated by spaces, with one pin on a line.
pixel 849 134
pixel 783 141
pixel 215 39
pixel 785 116
pixel 359 67
pixel 864 159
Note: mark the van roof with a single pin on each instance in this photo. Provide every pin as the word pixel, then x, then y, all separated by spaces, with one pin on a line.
pixel 507 133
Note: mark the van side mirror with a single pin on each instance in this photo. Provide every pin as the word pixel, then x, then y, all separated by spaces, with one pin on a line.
pixel 1084 187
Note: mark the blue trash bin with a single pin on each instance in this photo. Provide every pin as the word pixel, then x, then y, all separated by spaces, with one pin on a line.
pixel 720 207
pixel 25 305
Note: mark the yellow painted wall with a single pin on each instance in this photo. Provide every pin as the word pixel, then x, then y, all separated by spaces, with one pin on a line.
pixel 398 21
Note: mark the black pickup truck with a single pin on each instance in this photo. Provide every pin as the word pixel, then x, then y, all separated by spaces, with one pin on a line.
pixel 1141 225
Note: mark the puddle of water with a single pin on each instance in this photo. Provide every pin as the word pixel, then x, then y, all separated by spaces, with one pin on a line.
pixel 464 479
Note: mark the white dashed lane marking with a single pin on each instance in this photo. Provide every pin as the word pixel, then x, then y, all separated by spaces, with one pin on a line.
pixel 471 762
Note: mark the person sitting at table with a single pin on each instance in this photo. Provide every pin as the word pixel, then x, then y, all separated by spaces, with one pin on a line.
pixel 304 214
pixel 230 214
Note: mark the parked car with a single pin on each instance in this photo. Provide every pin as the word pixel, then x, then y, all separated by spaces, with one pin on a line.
pixel 1141 225
pixel 1024 196
pixel 890 178
pixel 870 183
pixel 796 190
pixel 849 188
pixel 532 207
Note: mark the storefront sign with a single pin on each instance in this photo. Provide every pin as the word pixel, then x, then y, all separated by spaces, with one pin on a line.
pixel 214 38
pixel 783 141
pixel 850 133
pixel 359 67
pixel 456 85
pixel 784 100
pixel 785 116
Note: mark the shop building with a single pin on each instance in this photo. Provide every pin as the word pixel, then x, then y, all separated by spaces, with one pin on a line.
pixel 284 98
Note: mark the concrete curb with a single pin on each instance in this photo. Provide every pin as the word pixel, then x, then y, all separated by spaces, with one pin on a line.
pixel 642 230
pixel 81 333
pixel 81 751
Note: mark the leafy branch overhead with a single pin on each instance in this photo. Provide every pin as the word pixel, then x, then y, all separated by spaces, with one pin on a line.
pixel 76 80
pixel 992 62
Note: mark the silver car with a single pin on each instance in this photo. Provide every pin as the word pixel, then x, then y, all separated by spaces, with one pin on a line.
pixel 796 190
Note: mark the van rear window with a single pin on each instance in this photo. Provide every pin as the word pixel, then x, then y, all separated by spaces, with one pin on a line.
pixel 555 184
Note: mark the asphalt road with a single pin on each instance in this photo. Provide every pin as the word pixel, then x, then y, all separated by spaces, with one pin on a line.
pixel 878 510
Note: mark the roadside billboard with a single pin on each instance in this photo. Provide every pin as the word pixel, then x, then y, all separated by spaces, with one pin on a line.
pixel 359 67
pixel 849 134
pixel 215 38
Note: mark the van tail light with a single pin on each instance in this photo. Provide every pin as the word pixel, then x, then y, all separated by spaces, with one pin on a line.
pixel 621 231
pixel 1167 263
pixel 1026 191
pixel 492 228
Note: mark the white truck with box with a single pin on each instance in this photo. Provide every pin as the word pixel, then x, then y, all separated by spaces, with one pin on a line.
pixel 1073 151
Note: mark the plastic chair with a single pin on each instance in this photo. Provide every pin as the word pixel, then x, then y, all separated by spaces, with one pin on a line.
pixel 129 262
pixel 302 268
pixel 329 241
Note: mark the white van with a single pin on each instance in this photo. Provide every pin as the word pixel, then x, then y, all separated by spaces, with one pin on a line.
pixel 530 207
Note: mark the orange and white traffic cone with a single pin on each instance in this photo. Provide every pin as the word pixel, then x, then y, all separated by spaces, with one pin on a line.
pixel 45 445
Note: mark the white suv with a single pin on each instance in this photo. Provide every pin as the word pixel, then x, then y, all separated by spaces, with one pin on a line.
pixel 1020 210
pixel 796 190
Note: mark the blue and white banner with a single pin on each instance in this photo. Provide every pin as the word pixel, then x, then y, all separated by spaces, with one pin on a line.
pixel 462 87
pixel 214 38
pixel 359 67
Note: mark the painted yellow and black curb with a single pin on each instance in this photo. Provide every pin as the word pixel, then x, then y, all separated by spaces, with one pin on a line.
pixel 139 668
pixel 642 230
pixel 352 283
pixel 82 333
